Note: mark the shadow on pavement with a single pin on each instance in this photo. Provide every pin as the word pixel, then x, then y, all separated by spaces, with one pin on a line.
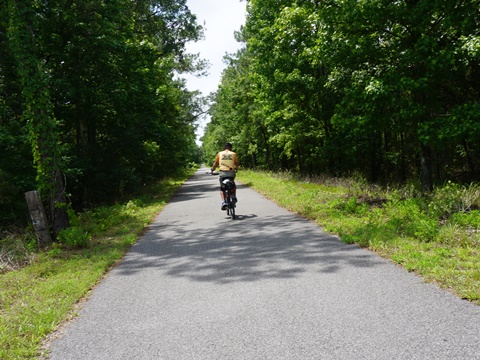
pixel 270 247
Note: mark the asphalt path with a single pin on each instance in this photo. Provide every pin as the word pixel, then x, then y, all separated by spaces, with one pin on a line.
pixel 268 285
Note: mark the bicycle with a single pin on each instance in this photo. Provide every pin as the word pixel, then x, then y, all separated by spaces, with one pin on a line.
pixel 228 188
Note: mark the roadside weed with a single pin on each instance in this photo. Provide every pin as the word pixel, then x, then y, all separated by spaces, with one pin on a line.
pixel 36 298
pixel 437 237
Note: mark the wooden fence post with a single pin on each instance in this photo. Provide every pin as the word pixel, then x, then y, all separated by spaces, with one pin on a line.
pixel 39 218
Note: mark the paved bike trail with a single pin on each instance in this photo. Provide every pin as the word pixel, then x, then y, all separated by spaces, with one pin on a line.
pixel 269 285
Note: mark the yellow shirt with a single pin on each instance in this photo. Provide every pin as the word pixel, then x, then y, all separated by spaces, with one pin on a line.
pixel 227 160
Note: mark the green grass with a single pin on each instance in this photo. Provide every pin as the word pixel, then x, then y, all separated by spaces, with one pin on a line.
pixel 437 237
pixel 37 298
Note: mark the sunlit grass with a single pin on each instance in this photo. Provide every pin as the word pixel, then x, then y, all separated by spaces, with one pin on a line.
pixel 35 299
pixel 436 237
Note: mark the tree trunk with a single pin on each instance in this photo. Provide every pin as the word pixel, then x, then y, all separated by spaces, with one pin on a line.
pixel 267 148
pixel 58 203
pixel 39 218
pixel 403 159
pixel 470 162
pixel 426 169
pixel 38 108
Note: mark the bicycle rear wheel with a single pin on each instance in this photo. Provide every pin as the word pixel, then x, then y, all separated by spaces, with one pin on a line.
pixel 231 207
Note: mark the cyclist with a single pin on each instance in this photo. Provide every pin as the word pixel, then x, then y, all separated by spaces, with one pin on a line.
pixel 227 161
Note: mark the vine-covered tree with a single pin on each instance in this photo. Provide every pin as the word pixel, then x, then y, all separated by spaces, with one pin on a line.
pixel 38 112
pixel 96 85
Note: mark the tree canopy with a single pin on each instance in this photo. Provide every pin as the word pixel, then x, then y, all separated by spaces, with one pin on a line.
pixel 90 96
pixel 385 89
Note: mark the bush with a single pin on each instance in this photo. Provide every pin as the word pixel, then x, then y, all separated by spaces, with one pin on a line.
pixel 466 219
pixel 73 237
pixel 453 198
pixel 351 205
pixel 410 220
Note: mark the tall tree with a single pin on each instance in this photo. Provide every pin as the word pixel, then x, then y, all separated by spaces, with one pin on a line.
pixel 38 111
pixel 113 65
pixel 100 94
pixel 16 173
pixel 388 89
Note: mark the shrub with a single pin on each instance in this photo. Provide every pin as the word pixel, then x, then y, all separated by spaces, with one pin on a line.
pixel 351 205
pixel 469 219
pixel 410 220
pixel 453 198
pixel 73 237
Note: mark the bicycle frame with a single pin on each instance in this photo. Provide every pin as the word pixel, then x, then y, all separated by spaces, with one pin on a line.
pixel 228 190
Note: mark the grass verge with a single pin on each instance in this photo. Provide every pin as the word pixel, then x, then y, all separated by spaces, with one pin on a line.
pixel 37 298
pixel 437 237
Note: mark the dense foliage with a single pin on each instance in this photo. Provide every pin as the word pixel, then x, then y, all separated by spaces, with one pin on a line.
pixel 386 89
pixel 90 96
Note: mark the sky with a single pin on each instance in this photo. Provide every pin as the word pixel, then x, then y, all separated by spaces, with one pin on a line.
pixel 220 19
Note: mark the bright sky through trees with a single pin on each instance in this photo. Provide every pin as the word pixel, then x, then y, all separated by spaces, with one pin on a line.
pixel 220 18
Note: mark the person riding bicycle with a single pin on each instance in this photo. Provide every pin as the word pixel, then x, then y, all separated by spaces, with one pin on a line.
pixel 227 161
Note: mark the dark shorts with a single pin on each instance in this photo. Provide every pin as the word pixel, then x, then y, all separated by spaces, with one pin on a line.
pixel 222 175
